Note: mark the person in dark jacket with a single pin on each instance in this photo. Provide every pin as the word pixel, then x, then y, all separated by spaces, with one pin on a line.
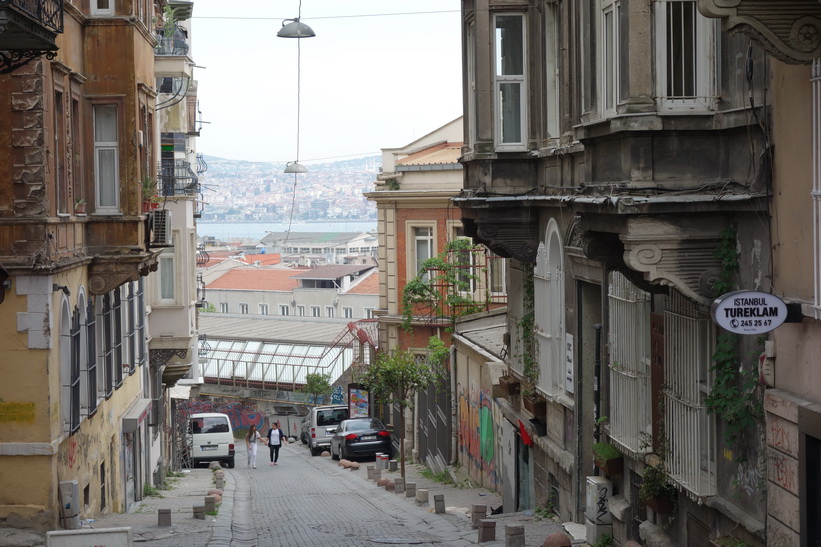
pixel 276 438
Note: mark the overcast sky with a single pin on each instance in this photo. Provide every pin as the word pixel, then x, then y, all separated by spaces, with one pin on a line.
pixel 370 79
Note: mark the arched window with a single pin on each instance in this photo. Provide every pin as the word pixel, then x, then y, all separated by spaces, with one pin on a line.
pixel 548 285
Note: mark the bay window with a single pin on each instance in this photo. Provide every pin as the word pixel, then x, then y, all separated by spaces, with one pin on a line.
pixel 106 158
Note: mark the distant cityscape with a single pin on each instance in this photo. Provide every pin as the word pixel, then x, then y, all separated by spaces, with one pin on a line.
pixel 245 191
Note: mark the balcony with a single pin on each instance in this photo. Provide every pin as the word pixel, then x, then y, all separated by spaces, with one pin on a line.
pixel 177 179
pixel 28 29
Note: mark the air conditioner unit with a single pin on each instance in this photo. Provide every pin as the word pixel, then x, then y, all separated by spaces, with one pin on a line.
pixel 160 224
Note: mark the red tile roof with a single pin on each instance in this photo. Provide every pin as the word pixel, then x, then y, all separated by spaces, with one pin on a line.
pixel 369 285
pixel 269 279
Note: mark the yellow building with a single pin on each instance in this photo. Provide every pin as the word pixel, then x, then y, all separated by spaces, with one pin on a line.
pixel 76 139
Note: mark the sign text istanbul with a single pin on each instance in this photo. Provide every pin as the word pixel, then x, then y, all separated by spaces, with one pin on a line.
pixel 749 312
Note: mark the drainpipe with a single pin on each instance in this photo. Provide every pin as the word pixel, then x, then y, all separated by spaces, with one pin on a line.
pixel 454 443
pixel 597 388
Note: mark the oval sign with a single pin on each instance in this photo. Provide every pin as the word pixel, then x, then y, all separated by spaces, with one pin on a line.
pixel 749 312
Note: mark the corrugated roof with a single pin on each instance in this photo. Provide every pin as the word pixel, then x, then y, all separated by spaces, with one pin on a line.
pixel 334 271
pixel 290 329
pixel 248 278
pixel 441 154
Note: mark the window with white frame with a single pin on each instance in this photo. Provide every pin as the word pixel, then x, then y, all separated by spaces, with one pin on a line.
pixel 101 8
pixel 510 88
pixel 330 311
pixel 106 159
pixel 685 57
pixel 167 277
pixel 496 270
pixel 421 250
pixel 284 309
pixel 223 307
pixel 369 313
pixel 243 308
pixel 300 311
pixel 630 415
pixel 263 309
pixel 689 430
pixel 315 311
pixel 104 337
pixel 347 312
pixel 610 70
pixel 548 289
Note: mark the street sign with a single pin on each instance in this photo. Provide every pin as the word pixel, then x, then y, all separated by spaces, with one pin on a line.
pixel 749 312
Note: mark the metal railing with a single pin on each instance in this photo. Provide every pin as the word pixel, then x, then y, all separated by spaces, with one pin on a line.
pixel 176 178
pixel 48 12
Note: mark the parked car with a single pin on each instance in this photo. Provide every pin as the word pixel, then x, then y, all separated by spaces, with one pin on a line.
pixel 322 424
pixel 359 437
pixel 211 438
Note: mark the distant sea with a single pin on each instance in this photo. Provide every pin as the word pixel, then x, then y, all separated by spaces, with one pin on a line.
pixel 256 230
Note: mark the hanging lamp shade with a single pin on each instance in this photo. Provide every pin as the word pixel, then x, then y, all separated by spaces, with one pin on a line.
pixel 294 167
pixel 295 29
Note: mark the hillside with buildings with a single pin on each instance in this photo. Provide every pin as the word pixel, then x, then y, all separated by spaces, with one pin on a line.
pixel 244 191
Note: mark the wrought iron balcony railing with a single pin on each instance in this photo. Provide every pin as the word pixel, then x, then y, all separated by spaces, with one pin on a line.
pixel 176 44
pixel 48 13
pixel 177 179
pixel 28 29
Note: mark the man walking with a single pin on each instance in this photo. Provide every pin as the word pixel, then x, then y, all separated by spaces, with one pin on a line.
pixel 276 438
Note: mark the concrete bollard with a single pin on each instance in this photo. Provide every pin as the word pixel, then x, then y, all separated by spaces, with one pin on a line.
pixel 371 469
pixel 487 530
pixel 422 497
pixel 199 512
pixel 378 461
pixel 354 466
pixel 210 504
pixel 377 474
pixel 400 485
pixel 439 503
pixel 393 465
pixel 384 458
pixel 410 490
pixel 477 513
pixel 220 482
pixel 514 535
pixel 163 517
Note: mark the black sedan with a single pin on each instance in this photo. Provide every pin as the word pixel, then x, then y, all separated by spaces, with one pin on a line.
pixel 356 437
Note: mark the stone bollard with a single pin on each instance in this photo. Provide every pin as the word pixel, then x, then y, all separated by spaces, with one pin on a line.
pixel 210 504
pixel 393 465
pixel 410 490
pixel 514 535
pixel 377 474
pixel 219 474
pixel 391 486
pixel 487 530
pixel 354 466
pixel 558 539
pixel 422 497
pixel 439 503
pixel 213 466
pixel 199 512
pixel 163 517
pixel 220 482
pixel 477 513
pixel 371 469
pixel 400 485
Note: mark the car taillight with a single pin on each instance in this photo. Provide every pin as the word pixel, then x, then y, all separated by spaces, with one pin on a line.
pixel 231 446
pixel 313 433
pixel 350 436
pixel 384 434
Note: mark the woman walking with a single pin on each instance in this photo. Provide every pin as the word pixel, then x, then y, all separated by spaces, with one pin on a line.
pixel 276 438
pixel 251 440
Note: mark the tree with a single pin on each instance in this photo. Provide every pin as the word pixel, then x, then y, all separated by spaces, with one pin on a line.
pixel 317 385
pixel 394 379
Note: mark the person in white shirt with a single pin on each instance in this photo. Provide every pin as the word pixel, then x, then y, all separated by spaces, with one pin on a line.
pixel 251 440
pixel 276 438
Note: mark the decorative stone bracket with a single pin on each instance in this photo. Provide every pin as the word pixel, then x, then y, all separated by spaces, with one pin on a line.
pixel 508 232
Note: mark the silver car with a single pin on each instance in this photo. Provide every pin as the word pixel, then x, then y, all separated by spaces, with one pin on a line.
pixel 322 424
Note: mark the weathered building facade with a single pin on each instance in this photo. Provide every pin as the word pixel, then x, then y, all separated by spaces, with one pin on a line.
pixel 619 153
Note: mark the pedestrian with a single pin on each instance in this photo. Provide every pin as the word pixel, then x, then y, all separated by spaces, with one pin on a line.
pixel 251 440
pixel 276 438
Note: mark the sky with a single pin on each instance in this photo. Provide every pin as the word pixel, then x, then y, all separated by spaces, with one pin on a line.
pixel 378 74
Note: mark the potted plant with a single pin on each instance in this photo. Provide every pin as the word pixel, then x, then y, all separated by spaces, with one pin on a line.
pixel 80 207
pixel 608 458
pixel 151 199
pixel 534 403
pixel 656 491
pixel 509 384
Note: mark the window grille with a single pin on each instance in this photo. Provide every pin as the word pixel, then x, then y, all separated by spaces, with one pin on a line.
pixel 629 340
pixel 689 430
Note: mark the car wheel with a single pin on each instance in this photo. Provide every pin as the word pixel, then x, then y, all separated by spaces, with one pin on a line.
pixel 303 439
pixel 314 450
pixel 342 454
pixel 334 456
pixel 231 463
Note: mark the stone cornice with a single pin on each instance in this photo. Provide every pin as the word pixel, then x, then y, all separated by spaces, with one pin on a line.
pixel 789 30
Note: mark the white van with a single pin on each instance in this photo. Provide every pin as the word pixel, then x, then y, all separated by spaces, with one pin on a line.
pixel 322 424
pixel 211 438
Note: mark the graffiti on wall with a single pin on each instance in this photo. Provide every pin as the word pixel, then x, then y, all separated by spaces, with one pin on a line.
pixel 242 414
pixel 477 440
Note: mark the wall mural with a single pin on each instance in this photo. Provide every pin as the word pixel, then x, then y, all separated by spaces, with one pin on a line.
pixel 477 441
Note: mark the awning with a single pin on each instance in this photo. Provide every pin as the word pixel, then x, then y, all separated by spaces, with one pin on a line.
pixel 135 415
